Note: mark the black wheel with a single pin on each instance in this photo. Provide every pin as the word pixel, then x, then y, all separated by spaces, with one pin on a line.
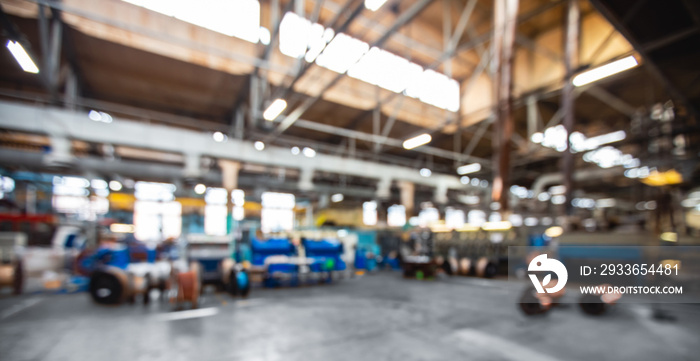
pixel 530 305
pixel 148 284
pixel 232 286
pixel 105 288
pixel 592 305
pixel 18 281
pixel 490 270
pixel 447 267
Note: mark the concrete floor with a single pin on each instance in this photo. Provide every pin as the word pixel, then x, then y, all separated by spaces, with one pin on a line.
pixel 375 317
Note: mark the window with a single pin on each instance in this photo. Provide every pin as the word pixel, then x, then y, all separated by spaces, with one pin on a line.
pixel 72 196
pixel 156 221
pixel 369 213
pixel 239 18
pixel 277 212
pixel 157 215
pixel 396 216
pixel 238 198
pixel 428 216
pixel 476 217
pixel 299 37
pixel 215 211
pixel 454 218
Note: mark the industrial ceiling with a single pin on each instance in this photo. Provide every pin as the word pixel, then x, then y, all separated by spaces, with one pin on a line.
pixel 145 66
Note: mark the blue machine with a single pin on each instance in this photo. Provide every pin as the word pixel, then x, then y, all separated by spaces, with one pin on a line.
pixel 325 255
pixel 366 251
pixel 321 256
pixel 115 256
pixel 274 271
pixel 260 250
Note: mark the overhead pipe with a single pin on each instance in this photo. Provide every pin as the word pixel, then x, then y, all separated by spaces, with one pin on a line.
pixel 582 175
pixel 161 172
pixel 76 126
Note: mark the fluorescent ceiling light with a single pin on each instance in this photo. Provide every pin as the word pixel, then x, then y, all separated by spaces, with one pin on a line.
pixel 583 202
pixel 99 116
pixel 560 189
pixel 219 137
pixel 274 110
pixel 338 197
pixel 558 199
pixel 605 71
pixel 417 141
pixel 669 237
pixel 240 18
pixel 374 4
pixel 309 152
pixel 121 228
pixel 341 53
pixel 606 157
pixel 24 60
pixel 605 203
pixel 469 168
pixel 531 221
pixel 115 185
pixel 595 142
pixel 554 232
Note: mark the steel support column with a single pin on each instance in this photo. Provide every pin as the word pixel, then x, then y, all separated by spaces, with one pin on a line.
pixel 505 19
pixel 571 44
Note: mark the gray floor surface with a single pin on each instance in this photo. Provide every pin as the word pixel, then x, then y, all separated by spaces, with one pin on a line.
pixel 374 317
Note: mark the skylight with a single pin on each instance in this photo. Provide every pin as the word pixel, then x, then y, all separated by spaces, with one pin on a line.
pixel 342 53
pixel 300 38
pixel 298 34
pixel 435 89
pixel 382 68
pixel 240 18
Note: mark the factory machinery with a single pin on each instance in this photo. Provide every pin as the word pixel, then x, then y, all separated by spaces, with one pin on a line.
pixel 468 251
pixel 124 271
pixel 284 261
pixel 11 268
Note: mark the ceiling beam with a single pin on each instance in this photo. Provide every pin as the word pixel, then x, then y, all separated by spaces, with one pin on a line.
pixel 619 25
pixel 72 125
